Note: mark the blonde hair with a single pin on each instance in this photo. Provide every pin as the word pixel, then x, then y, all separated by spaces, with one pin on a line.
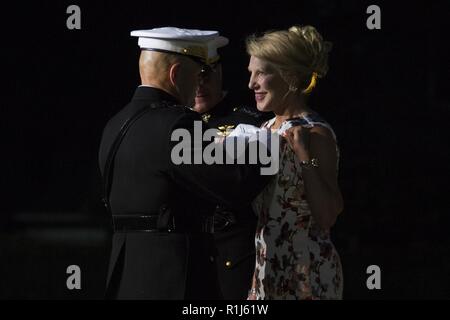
pixel 300 54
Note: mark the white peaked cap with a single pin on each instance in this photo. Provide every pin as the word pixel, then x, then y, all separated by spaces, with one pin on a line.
pixel 198 44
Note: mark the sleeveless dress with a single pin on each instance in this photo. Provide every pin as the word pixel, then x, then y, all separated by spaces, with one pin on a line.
pixel 295 259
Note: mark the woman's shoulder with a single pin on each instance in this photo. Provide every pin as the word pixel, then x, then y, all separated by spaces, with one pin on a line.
pixel 312 120
pixel 310 117
pixel 268 123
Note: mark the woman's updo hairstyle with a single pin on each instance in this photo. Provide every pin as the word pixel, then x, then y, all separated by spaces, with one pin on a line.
pixel 299 53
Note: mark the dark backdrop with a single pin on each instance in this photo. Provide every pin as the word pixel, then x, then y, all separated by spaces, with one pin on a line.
pixel 386 95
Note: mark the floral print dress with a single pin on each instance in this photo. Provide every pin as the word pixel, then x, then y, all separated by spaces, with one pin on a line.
pixel 295 259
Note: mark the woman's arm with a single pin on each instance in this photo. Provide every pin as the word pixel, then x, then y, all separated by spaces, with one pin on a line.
pixel 252 291
pixel 321 186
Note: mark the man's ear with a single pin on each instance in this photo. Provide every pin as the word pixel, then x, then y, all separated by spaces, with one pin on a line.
pixel 174 73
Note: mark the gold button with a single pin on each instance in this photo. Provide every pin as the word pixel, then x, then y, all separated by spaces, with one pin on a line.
pixel 228 264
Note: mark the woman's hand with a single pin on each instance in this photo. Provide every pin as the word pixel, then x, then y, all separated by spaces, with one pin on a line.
pixel 298 138
pixel 252 294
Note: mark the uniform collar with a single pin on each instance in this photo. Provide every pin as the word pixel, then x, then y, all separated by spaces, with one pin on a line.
pixel 220 109
pixel 153 94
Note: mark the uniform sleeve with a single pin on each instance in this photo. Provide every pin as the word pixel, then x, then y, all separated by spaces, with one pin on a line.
pixel 232 185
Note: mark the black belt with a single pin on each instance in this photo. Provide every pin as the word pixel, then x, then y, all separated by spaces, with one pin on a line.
pixel 149 223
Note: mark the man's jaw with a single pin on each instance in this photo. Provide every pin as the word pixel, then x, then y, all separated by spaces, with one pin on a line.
pixel 202 105
pixel 201 98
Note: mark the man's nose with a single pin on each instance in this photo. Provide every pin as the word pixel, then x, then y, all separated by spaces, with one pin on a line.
pixel 201 79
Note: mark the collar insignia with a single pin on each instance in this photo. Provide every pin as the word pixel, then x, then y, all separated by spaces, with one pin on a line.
pixel 225 130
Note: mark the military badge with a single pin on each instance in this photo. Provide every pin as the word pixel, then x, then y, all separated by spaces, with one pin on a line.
pixel 225 130
pixel 205 117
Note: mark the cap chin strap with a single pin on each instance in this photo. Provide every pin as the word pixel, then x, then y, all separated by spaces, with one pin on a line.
pixel 197 58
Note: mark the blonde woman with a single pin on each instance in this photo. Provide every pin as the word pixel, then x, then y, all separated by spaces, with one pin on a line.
pixel 295 257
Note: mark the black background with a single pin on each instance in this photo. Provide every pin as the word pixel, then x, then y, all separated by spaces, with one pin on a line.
pixel 386 95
